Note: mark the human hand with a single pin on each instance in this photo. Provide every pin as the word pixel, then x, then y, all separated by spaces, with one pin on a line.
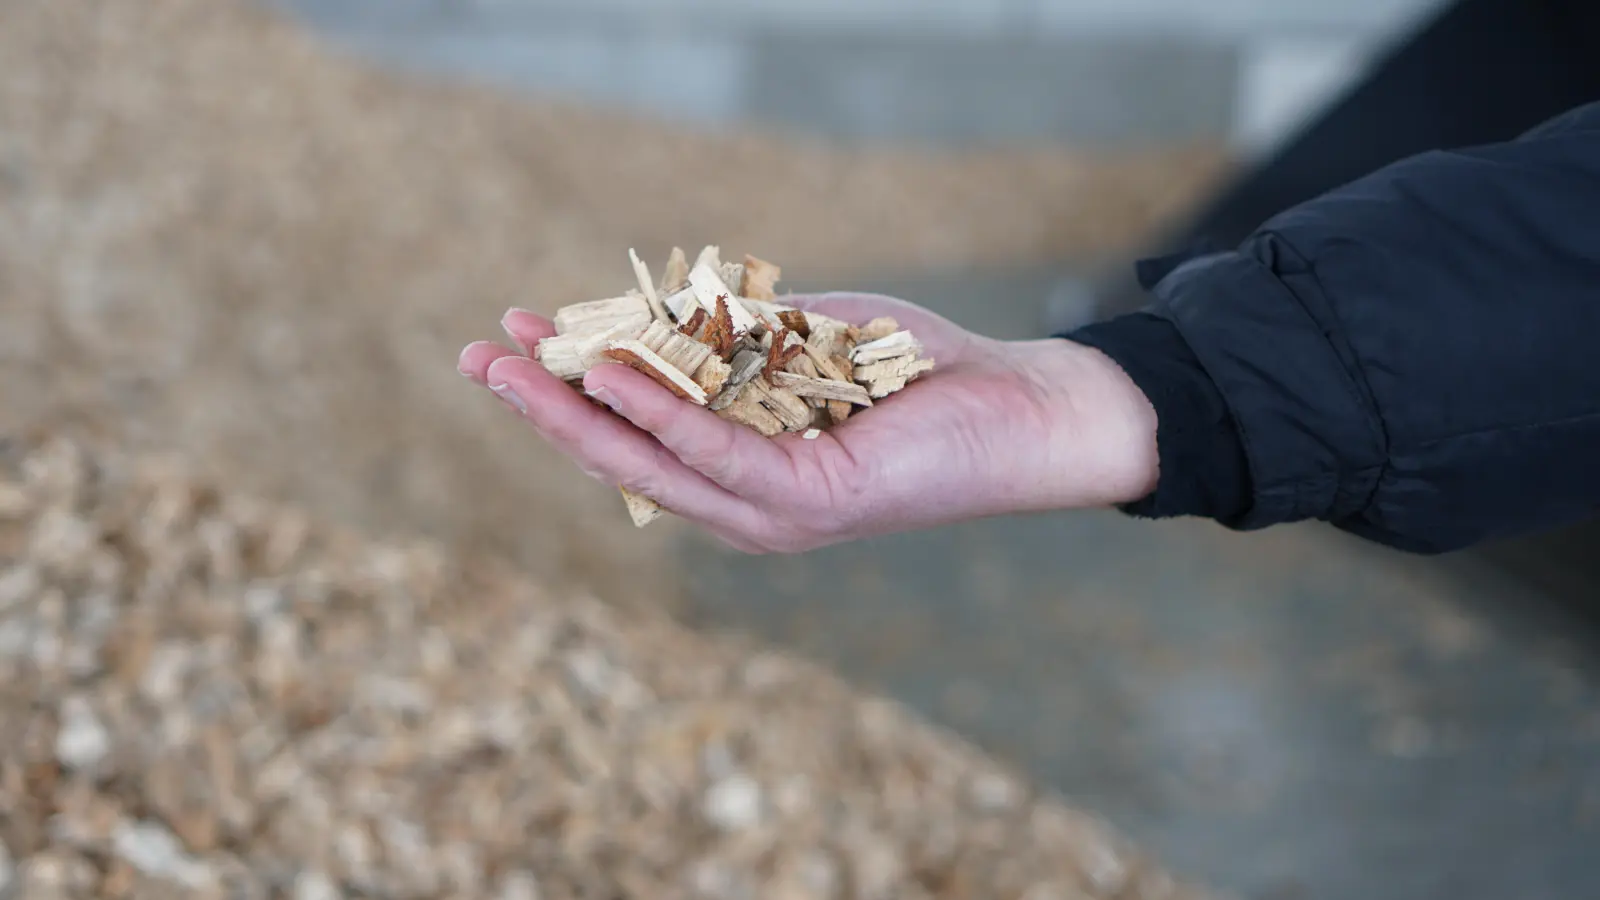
pixel 997 427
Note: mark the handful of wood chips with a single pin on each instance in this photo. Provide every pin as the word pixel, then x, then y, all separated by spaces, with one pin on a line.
pixel 715 335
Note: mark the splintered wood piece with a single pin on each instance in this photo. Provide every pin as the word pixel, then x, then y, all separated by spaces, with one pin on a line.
pixel 825 365
pixel 570 356
pixel 733 276
pixel 692 327
pixel 711 256
pixel 655 335
pixel 837 410
pixel 884 378
pixel 769 310
pixel 745 409
pixel 829 339
pixel 812 434
pixel 878 329
pixel 598 315
pixel 708 286
pixel 781 351
pixel 901 343
pixel 685 354
pixel 647 287
pixel 803 366
pixel 822 388
pixel 713 375
pixel 746 365
pixel 641 509
pixel 795 321
pixel 793 412
pixel 681 303
pixel 676 273
pixel 636 354
pixel 760 278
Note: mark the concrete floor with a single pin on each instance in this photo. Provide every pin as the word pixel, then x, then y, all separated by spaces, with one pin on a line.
pixel 1289 715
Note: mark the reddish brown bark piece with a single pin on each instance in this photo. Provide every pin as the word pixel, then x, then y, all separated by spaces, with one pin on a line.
pixel 795 320
pixel 779 355
pixel 630 358
pixel 719 334
pixel 692 327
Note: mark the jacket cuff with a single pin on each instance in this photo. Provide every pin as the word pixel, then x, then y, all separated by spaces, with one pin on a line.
pixel 1204 471
pixel 1259 325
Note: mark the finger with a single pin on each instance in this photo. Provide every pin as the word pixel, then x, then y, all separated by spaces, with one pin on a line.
pixel 735 457
pixel 476 358
pixel 526 329
pixel 607 447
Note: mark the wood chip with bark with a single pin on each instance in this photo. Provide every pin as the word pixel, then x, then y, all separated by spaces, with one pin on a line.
pixel 715 335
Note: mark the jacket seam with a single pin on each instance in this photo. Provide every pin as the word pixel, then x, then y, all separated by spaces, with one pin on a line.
pixel 1366 398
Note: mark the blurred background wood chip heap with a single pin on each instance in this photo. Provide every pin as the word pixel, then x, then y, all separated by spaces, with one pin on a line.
pixel 218 239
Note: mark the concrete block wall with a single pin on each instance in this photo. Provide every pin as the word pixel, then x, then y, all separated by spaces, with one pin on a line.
pixel 1092 72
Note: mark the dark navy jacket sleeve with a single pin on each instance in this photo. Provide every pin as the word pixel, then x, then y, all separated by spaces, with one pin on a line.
pixel 1411 357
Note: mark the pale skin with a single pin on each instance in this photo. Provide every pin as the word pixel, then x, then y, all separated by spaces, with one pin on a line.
pixel 997 428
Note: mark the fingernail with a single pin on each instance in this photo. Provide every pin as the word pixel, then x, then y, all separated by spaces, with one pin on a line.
pixel 604 395
pixel 516 341
pixel 505 393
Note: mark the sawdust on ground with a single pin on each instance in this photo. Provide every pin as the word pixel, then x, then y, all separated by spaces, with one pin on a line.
pixel 206 695
pixel 216 236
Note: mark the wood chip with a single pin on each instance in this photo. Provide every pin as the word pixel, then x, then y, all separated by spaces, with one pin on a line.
pixel 746 365
pixel 647 287
pixel 803 366
pixel 685 354
pixel 900 343
pixel 681 303
pixel 598 315
pixel 708 286
pixel 770 310
pixel 822 388
pixel 781 351
pixel 884 378
pixel 878 329
pixel 795 321
pixel 713 374
pixel 711 257
pixel 719 334
pixel 746 409
pixel 675 276
pixel 793 412
pixel 636 354
pixel 733 276
pixel 569 357
pixel 695 323
pixel 812 434
pixel 641 509
pixel 760 278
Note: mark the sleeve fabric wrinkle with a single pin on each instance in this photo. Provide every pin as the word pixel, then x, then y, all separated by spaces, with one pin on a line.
pixel 1408 357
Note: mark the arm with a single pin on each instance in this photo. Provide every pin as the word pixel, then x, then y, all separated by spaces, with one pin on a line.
pixel 1409 357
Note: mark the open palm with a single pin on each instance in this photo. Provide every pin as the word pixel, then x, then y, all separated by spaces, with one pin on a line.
pixel 996 427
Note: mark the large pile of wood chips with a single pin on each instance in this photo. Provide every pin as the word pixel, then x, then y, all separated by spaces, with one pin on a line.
pixel 204 695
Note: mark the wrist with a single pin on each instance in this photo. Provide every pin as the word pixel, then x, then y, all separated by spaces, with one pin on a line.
pixel 1101 428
